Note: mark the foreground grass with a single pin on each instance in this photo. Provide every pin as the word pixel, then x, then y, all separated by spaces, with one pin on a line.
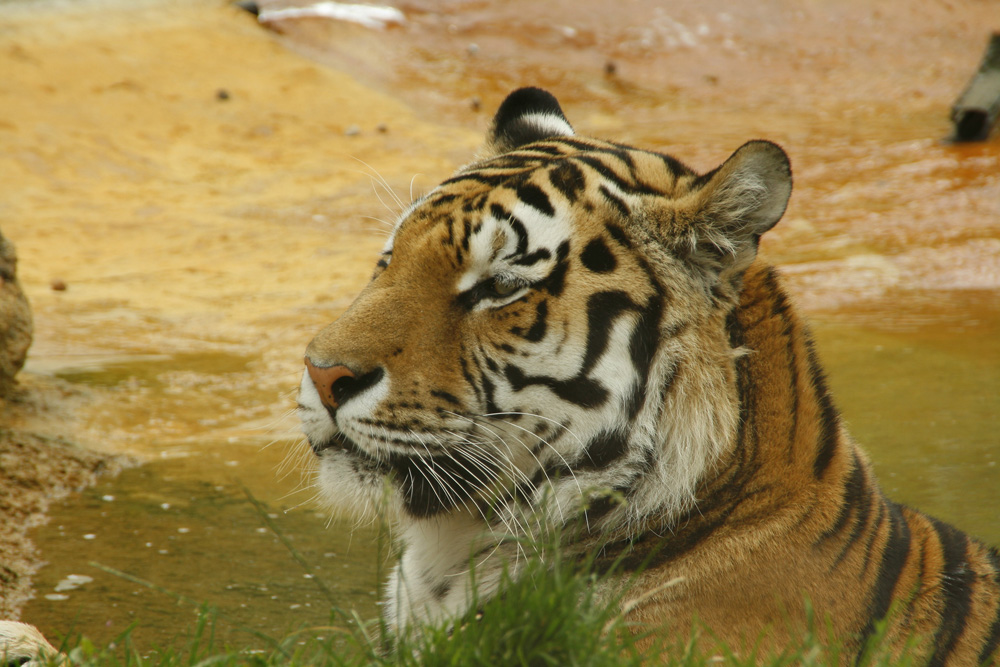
pixel 549 616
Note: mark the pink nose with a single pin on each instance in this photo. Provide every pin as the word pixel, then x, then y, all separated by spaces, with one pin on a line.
pixel 325 378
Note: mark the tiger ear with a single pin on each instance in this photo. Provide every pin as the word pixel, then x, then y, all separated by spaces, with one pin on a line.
pixel 527 115
pixel 735 204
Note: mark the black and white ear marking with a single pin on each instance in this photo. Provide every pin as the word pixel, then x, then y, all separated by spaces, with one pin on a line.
pixel 527 115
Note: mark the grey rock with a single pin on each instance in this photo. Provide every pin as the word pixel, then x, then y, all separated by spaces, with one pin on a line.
pixel 15 319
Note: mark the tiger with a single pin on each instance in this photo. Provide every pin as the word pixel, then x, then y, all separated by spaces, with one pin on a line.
pixel 581 326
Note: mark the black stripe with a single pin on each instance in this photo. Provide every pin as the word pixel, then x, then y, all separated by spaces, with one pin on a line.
pixel 522 235
pixel 862 510
pixel 618 234
pixel 430 485
pixel 452 220
pixel 535 197
pixel 957 591
pixel 894 556
pixel 513 164
pixel 440 590
pixel 652 550
pixel 606 172
pixel 793 374
pixel 568 179
pixel 532 257
pixel 617 202
pixel 603 308
pixel 601 507
pixel 445 396
pixel 734 329
pixel 855 488
pixel 488 393
pixel 578 143
pixel 464 366
pixel 466 231
pixel 780 306
pixel 537 330
pixel 580 390
pixel 642 348
pixel 442 199
pixel 539 151
pixel 593 155
pixel 555 282
pixel 826 445
pixel 491 180
pixel 475 204
pixel 873 533
pixel 674 166
pixel 992 642
pixel 602 451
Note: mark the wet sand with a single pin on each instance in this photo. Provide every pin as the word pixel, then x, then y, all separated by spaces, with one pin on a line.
pixel 203 186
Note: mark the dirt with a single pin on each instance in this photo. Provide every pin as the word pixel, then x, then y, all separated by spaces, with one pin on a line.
pixel 180 180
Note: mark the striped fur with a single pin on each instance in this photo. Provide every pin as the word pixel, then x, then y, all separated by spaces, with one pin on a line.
pixel 574 328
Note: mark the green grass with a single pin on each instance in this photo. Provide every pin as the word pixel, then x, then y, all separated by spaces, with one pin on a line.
pixel 548 616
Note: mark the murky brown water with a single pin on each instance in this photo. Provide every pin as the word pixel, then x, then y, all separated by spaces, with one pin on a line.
pixel 204 242
pixel 184 522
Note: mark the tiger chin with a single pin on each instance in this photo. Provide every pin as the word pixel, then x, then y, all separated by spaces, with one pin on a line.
pixel 568 321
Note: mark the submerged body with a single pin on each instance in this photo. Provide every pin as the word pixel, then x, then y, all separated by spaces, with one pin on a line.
pixel 575 331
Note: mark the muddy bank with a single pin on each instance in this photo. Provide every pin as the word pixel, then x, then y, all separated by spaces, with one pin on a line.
pixel 40 463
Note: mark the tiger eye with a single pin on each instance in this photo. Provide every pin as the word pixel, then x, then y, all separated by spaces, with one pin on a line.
pixel 503 289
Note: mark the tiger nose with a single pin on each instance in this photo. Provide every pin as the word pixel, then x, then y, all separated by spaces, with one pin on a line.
pixel 324 380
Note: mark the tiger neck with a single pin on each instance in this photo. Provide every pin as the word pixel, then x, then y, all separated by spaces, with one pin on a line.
pixel 788 441
pixel 790 437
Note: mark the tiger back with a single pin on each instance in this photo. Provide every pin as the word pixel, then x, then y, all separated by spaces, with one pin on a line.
pixel 570 328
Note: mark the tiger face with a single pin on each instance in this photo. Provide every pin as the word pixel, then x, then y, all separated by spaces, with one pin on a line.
pixel 545 324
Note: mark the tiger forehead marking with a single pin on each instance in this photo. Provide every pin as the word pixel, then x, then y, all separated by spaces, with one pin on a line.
pixel 580 331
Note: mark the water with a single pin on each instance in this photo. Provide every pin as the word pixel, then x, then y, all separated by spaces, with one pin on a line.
pixel 201 539
pixel 204 242
pixel 926 406
pixel 189 522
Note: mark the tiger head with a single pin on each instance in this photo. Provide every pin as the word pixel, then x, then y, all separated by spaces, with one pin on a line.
pixel 549 323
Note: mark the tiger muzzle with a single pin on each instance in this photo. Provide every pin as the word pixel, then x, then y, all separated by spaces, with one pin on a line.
pixel 337 384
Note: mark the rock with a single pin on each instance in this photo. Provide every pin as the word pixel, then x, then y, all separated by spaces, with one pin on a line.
pixel 15 319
